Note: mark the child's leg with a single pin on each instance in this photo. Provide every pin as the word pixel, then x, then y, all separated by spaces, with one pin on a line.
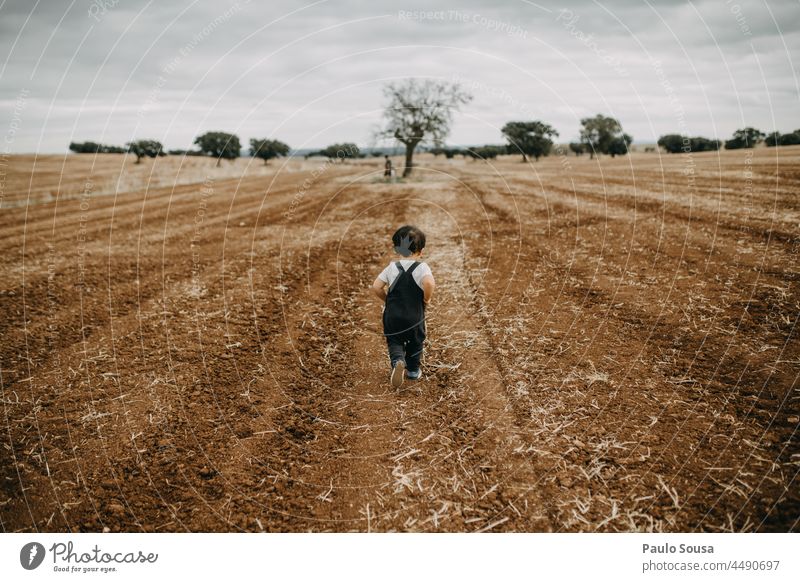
pixel 413 353
pixel 396 349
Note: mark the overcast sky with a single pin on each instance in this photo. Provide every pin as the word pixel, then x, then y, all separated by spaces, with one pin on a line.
pixel 311 74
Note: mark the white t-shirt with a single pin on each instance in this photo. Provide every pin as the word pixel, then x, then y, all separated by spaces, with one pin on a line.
pixel 390 273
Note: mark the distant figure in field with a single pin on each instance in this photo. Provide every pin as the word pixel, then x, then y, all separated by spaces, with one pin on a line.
pixel 406 286
pixel 388 170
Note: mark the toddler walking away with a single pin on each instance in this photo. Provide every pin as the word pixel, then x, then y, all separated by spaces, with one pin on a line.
pixel 407 286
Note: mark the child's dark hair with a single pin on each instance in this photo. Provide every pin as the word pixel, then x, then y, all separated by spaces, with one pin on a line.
pixel 408 240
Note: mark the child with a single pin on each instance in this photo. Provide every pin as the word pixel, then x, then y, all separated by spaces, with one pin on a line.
pixel 407 287
pixel 388 170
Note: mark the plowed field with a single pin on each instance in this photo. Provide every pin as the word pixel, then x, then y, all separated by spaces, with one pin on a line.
pixel 612 345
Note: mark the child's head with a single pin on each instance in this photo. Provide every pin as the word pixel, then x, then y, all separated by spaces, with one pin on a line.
pixel 408 240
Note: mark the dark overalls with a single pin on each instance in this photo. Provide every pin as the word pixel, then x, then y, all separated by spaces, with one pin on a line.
pixel 404 319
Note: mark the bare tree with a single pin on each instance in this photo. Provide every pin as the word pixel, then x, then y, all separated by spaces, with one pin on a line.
pixel 419 111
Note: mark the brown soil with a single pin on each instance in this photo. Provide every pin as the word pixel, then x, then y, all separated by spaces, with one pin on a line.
pixel 612 347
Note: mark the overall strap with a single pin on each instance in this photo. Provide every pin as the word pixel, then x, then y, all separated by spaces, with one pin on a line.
pixel 412 267
pixel 399 275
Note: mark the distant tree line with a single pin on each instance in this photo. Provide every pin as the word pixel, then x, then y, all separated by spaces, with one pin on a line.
pixel 90 147
pixel 409 120
pixel 215 144
pixel 339 151
pixel 140 148
pixel 180 152
pixel 485 152
pixel 449 153
pixel 674 143
pixel 599 135
pixel 777 138
pixel 747 137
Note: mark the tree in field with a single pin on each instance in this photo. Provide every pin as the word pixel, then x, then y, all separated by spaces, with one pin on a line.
pixel 530 138
pixel 420 111
pixel 577 148
pixel 145 148
pixel 619 145
pixel 219 144
pixel 267 149
pixel 744 138
pixel 599 132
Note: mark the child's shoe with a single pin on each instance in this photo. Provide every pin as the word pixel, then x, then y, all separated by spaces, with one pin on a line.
pixel 397 373
pixel 415 375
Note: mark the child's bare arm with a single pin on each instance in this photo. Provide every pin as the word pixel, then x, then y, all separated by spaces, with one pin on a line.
pixel 428 285
pixel 379 288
